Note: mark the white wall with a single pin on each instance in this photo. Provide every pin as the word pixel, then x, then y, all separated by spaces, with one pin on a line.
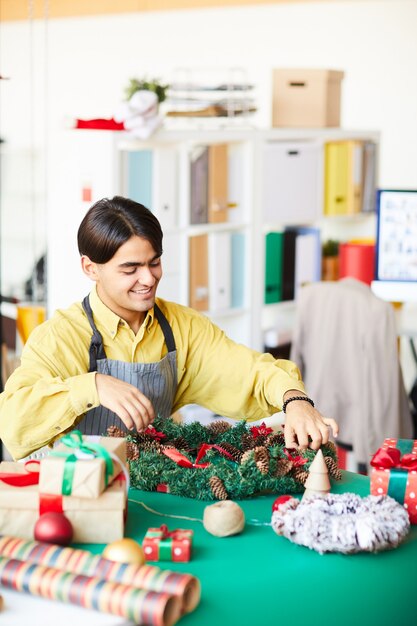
pixel 81 66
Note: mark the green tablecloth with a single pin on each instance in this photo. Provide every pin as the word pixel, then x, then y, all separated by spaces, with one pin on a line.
pixel 258 578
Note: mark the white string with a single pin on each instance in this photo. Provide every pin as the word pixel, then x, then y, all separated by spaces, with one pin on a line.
pixel 251 522
pixel 148 508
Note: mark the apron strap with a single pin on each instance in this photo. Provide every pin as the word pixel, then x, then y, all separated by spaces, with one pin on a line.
pixel 96 350
pixel 166 329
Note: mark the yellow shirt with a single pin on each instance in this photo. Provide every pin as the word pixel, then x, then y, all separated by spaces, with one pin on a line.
pixel 52 389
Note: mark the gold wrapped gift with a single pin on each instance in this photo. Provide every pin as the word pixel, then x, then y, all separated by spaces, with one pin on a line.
pixel 82 466
pixel 95 520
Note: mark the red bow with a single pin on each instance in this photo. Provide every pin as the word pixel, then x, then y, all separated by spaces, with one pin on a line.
pixel 151 430
pixel 388 458
pixel 183 461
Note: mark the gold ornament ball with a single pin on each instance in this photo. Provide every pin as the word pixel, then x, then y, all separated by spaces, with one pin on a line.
pixel 124 551
pixel 224 518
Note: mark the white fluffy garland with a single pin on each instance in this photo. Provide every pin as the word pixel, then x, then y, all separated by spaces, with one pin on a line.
pixel 342 523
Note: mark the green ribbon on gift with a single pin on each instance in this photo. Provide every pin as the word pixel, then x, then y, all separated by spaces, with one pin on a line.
pixel 398 476
pixel 165 541
pixel 74 439
pixel 397 484
pixel 405 446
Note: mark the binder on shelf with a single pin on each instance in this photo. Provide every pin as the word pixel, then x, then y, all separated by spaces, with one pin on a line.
pixel 301 259
pixel 369 176
pixel 139 177
pixel 273 267
pixel 288 263
pixel 307 258
pixel 343 177
pixel 199 276
pixel 199 186
pixel 165 176
pixel 285 164
pixel 238 270
pixel 217 183
pixel 220 274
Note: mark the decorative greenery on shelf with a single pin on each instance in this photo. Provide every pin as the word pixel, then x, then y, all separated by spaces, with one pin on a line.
pixel 330 248
pixel 151 84
pixel 218 461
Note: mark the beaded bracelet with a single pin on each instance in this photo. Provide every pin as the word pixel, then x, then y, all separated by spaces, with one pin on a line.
pixel 305 398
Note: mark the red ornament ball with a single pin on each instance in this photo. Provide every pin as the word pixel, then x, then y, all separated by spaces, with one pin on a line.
pixel 279 501
pixel 54 528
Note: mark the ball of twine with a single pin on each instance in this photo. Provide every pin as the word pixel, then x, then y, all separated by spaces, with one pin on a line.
pixel 342 523
pixel 223 518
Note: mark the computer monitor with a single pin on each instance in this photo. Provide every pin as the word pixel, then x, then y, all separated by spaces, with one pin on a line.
pixel 396 247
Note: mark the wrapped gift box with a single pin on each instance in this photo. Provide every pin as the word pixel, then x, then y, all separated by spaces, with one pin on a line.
pixel 160 544
pixel 76 472
pixel 394 473
pixel 97 520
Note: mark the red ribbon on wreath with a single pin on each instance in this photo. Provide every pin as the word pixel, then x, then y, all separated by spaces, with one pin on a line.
pixel 183 461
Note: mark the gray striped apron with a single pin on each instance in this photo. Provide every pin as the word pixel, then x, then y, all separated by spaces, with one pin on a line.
pixel 157 381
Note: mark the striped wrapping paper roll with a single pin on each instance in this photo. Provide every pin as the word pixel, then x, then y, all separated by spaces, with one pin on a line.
pixel 146 577
pixel 150 608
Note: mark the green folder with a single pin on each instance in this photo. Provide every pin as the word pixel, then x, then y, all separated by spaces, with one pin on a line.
pixel 273 267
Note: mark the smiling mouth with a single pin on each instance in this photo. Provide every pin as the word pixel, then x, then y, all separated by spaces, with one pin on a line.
pixel 142 292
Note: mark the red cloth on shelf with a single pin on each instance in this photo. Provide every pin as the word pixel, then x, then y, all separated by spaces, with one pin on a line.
pixel 100 124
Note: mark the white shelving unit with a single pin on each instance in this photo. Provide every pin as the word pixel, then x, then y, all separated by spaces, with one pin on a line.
pixel 95 164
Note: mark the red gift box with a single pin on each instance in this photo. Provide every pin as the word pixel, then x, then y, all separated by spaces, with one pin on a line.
pixel 160 544
pixel 394 473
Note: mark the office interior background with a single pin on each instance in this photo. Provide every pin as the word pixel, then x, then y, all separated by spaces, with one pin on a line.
pixel 59 67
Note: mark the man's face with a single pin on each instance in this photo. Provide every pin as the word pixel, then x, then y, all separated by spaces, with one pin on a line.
pixel 127 283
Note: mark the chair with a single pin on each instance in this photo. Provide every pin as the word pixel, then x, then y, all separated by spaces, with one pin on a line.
pixel 345 343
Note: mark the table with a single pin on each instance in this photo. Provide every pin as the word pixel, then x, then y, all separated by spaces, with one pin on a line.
pixel 258 578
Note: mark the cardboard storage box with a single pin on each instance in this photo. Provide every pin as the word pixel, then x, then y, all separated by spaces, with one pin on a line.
pixel 308 98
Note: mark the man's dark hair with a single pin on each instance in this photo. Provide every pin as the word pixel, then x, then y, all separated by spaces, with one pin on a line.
pixel 109 223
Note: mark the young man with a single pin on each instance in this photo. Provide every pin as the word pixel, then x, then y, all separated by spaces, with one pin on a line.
pixel 122 355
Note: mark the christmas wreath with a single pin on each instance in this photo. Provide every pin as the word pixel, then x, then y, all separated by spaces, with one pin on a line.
pixel 219 461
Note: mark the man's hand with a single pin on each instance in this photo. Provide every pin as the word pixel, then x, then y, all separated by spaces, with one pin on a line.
pixel 134 409
pixel 303 422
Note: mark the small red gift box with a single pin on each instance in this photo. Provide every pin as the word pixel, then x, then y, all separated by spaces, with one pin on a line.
pixel 160 544
pixel 394 473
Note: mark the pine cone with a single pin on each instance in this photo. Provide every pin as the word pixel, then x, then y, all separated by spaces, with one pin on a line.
pixel 218 427
pixel 283 467
pixel 300 475
pixel 150 446
pixel 132 451
pixel 246 456
pixel 262 459
pixel 218 489
pixel 235 453
pixel 248 442
pixel 275 439
pixel 115 431
pixel 181 443
pixel 334 471
pixel 332 446
pixel 143 438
